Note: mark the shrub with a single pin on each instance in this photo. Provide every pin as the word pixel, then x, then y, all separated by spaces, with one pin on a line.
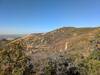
pixel 13 61
pixel 60 66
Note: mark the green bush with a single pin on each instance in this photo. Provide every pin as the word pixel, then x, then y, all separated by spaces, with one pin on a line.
pixel 13 61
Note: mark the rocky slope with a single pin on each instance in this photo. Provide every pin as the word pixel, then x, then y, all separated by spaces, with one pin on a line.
pixel 68 40
pixel 76 43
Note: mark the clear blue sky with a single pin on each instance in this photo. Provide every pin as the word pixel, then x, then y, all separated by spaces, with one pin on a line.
pixel 29 16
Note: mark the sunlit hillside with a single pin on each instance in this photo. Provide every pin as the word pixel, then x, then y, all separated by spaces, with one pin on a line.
pixel 64 51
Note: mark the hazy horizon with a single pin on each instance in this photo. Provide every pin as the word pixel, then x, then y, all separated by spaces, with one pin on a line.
pixel 42 32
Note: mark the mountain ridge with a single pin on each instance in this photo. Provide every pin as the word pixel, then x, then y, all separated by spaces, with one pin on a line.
pixel 56 40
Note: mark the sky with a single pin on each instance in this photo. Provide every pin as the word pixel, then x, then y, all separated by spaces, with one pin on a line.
pixel 34 16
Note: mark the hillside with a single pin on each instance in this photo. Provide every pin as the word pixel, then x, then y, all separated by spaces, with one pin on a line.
pixel 7 38
pixel 74 43
pixel 64 39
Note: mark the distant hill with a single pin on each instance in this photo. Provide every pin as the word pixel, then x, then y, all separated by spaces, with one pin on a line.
pixel 10 36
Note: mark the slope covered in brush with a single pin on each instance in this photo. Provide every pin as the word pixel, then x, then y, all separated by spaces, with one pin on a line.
pixel 64 51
